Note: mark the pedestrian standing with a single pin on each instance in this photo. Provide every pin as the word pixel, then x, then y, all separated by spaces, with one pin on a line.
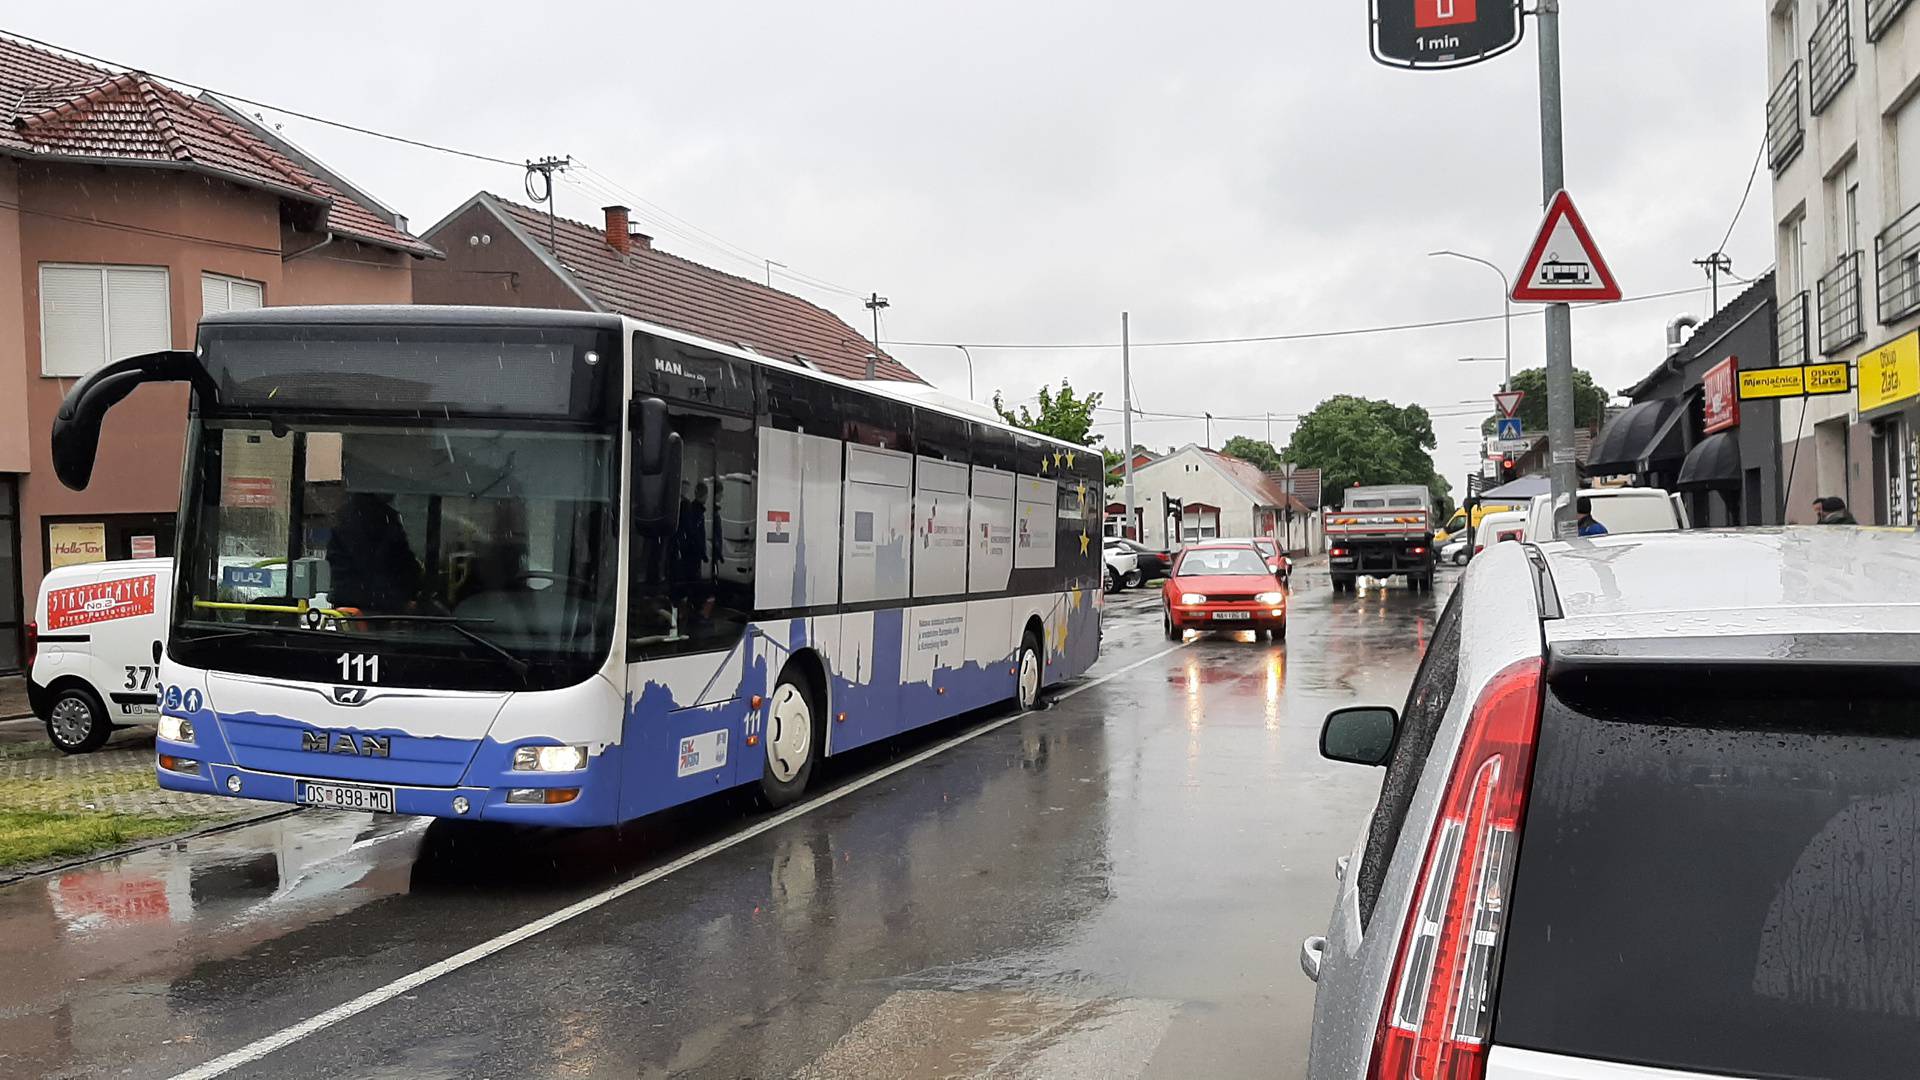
pixel 1589 525
pixel 1832 510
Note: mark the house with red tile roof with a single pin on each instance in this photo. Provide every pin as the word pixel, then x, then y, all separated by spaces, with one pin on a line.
pixel 503 253
pixel 127 209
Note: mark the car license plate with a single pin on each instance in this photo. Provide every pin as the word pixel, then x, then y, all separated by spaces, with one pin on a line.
pixel 1233 614
pixel 347 797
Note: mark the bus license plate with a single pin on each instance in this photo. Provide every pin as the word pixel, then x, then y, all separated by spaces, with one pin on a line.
pixel 347 797
pixel 1233 614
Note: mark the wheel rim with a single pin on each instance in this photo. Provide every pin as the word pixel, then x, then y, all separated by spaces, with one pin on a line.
pixel 1029 678
pixel 789 733
pixel 72 721
pixel 1134 579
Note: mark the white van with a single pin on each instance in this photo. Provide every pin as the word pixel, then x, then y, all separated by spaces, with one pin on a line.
pixel 1621 510
pixel 93 646
pixel 1498 526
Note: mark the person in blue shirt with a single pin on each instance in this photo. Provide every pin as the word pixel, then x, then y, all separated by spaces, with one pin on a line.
pixel 1589 526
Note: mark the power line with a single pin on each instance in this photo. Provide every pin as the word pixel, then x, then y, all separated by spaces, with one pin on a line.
pixel 1302 336
pixel 1744 196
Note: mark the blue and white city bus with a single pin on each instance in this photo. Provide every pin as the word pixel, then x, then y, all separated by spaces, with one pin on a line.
pixel 565 568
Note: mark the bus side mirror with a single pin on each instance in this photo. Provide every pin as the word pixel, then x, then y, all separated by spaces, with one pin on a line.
pixel 657 456
pixel 76 427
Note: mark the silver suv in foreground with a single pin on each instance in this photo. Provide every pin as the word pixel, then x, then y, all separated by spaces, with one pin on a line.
pixel 1652 810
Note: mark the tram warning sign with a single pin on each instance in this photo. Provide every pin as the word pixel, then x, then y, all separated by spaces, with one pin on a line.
pixel 1564 265
pixel 1444 33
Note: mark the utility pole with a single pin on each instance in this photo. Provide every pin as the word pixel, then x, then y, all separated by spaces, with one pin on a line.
pixel 1269 427
pixel 1563 471
pixel 874 304
pixel 1715 264
pixel 546 167
pixel 1126 425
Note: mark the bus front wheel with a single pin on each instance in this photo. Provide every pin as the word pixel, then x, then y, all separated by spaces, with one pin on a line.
pixel 792 739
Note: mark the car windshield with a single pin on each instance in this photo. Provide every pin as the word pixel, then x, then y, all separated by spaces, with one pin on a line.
pixel 1222 562
pixel 397 531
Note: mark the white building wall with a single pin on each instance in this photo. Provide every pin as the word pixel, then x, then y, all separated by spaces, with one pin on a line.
pixel 1189 477
pixel 1855 137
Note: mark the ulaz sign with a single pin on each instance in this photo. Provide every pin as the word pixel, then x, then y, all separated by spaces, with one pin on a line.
pixel 1444 33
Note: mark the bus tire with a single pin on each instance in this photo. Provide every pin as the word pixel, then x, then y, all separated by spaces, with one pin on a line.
pixel 76 720
pixel 793 738
pixel 1028 673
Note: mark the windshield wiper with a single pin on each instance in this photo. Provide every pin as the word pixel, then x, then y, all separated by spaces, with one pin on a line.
pixel 457 624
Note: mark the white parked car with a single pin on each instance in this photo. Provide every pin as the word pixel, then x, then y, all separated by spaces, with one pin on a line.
pixel 93 649
pixel 1621 510
pixel 1457 550
pixel 1123 564
pixel 1505 525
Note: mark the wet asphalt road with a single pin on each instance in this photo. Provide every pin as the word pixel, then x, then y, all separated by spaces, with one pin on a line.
pixel 1114 887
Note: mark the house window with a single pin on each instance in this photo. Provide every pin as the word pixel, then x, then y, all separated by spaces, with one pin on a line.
pixel 92 314
pixel 221 293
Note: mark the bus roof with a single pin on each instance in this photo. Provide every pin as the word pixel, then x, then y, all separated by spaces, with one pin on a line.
pixel 463 315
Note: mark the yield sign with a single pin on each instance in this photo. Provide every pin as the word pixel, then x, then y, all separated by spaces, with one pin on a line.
pixel 1564 264
pixel 1508 401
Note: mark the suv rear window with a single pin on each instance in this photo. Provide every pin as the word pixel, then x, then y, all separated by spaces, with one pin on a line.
pixel 1718 873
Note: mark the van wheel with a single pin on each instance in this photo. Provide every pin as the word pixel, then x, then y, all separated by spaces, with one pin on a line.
pixel 1026 687
pixel 76 721
pixel 792 739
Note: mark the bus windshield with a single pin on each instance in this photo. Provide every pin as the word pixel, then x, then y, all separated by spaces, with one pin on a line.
pixel 402 532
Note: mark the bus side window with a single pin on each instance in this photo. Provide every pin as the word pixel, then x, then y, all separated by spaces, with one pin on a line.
pixel 692 589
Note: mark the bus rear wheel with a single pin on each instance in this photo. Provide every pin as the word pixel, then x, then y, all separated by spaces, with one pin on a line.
pixel 1027 673
pixel 792 739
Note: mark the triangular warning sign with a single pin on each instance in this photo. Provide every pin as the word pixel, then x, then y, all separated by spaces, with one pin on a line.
pixel 1565 264
pixel 1508 401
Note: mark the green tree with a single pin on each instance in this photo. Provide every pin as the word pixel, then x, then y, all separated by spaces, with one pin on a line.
pixel 1589 401
pixel 1354 440
pixel 1253 451
pixel 1063 415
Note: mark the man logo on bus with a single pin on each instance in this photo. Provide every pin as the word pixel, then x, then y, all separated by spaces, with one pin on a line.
pixel 1431 13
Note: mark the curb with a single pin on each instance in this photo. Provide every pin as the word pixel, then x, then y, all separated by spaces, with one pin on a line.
pixel 14 876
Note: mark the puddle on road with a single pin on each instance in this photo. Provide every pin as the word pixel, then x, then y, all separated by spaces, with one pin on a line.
pixel 999 1033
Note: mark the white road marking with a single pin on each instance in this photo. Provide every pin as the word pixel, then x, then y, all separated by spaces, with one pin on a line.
pixel 287 1036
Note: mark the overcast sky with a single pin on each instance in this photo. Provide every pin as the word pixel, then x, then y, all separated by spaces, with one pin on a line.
pixel 1022 173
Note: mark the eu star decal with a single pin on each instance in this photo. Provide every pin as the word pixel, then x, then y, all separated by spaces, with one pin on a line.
pixel 1084 541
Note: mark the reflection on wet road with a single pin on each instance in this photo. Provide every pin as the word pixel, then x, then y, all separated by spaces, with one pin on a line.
pixel 1114 887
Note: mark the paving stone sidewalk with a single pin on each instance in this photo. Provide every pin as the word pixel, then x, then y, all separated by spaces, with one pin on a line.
pixel 13 697
pixel 117 778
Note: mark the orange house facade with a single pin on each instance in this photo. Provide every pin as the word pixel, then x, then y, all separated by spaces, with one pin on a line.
pixel 127 210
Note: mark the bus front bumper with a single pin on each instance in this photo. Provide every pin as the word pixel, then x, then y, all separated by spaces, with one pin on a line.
pixel 596 802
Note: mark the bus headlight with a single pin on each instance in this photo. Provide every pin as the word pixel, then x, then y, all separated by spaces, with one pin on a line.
pixel 1269 598
pixel 176 729
pixel 550 759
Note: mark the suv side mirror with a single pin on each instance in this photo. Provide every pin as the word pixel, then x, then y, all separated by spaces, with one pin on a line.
pixel 76 427
pixel 656 469
pixel 1361 735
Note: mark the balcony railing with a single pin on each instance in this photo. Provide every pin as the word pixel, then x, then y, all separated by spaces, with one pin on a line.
pixel 1786 131
pixel 1880 15
pixel 1840 321
pixel 1829 55
pixel 1790 330
pixel 1896 265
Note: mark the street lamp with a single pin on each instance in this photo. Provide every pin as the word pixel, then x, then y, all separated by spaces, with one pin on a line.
pixel 1506 300
pixel 969 356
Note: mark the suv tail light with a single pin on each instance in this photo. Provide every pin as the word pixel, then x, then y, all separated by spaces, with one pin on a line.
pixel 1439 1004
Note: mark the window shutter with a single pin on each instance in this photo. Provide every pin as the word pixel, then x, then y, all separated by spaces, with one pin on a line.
pixel 245 295
pixel 73 337
pixel 213 294
pixel 137 317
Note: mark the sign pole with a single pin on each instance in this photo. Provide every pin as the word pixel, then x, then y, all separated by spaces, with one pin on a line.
pixel 1563 472
pixel 1126 429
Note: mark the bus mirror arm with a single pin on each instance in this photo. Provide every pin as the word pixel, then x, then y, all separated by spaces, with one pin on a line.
pixel 657 460
pixel 76 427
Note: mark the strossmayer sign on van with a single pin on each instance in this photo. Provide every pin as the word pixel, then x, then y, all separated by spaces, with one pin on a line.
pixel 82 605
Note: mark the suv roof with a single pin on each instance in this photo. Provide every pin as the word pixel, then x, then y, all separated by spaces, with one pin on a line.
pixel 1819 579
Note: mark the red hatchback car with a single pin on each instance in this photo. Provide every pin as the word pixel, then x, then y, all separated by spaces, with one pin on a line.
pixel 1223 586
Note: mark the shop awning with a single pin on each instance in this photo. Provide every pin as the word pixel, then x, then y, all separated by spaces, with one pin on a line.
pixel 1647 432
pixel 1714 463
pixel 1522 487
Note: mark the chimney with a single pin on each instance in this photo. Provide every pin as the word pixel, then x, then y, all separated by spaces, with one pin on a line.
pixel 618 236
pixel 640 240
